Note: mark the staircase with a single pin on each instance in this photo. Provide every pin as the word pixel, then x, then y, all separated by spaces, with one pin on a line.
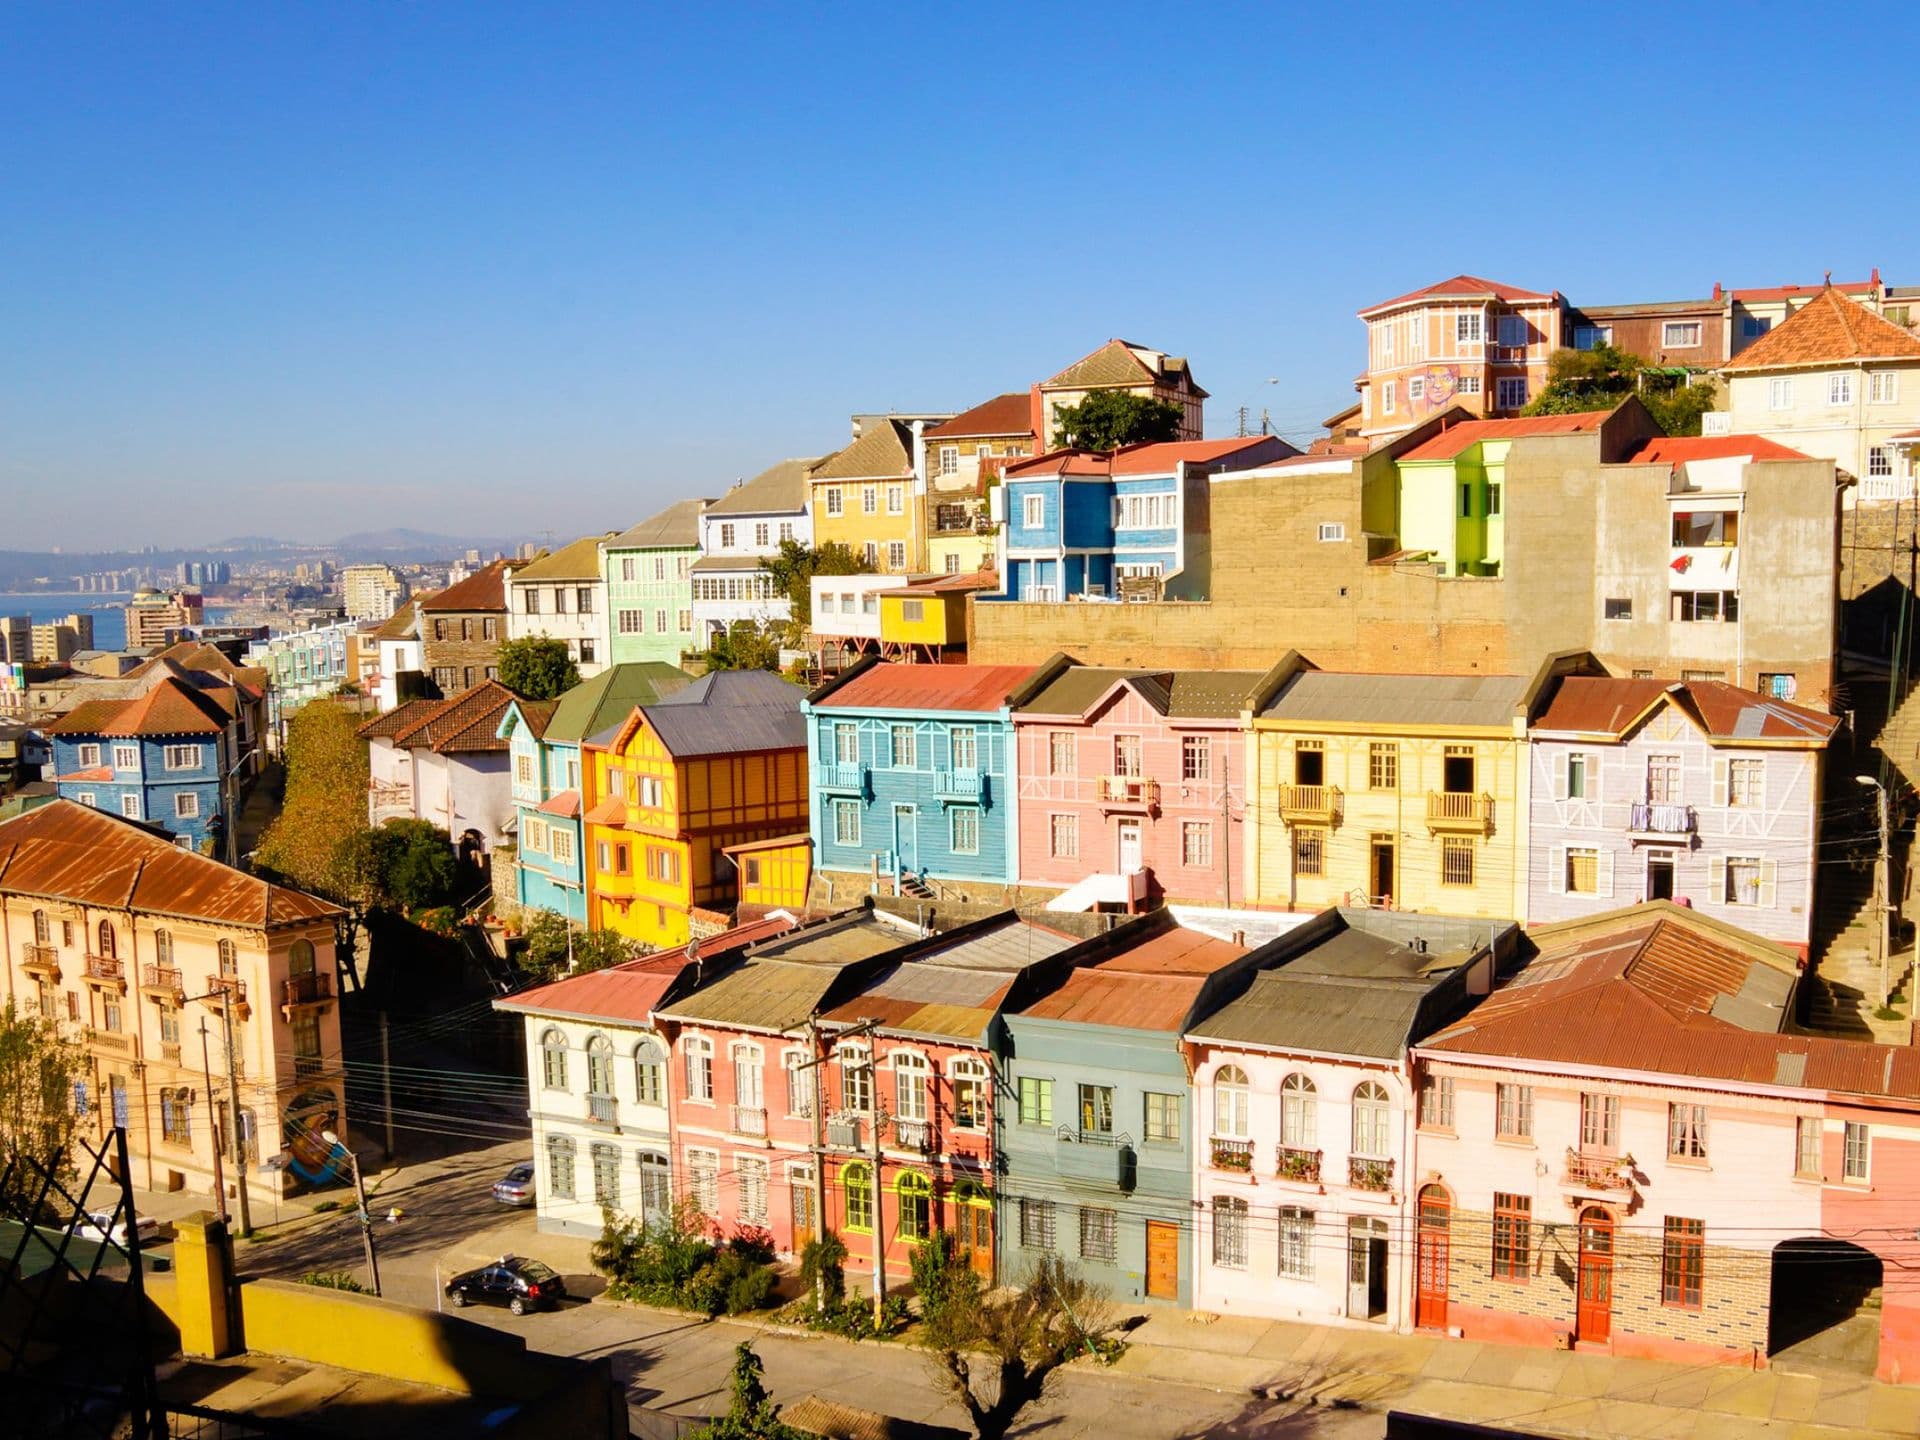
pixel 1899 739
pixel 1843 986
pixel 914 885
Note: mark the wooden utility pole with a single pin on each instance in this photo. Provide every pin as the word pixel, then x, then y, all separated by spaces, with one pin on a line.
pixel 213 1105
pixel 233 1104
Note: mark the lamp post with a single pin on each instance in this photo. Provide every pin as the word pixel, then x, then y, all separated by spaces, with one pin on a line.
pixel 228 999
pixel 1882 884
pixel 230 810
pixel 360 1197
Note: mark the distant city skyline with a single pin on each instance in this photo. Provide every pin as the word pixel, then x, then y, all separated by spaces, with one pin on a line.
pixel 491 270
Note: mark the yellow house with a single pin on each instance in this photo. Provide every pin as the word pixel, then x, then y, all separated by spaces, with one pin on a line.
pixel 1407 791
pixel 869 497
pixel 927 619
pixel 718 764
pixel 773 874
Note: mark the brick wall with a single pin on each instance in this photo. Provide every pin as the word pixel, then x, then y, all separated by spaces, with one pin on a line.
pixel 467 646
pixel 1875 542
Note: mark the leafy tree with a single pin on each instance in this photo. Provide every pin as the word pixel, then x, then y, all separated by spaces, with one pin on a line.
pixel 1600 378
pixel 745 646
pixel 1108 419
pixel 751 1413
pixel 414 865
pixel 552 939
pixel 537 667
pixel 796 564
pixel 320 841
pixel 996 1354
pixel 38 1071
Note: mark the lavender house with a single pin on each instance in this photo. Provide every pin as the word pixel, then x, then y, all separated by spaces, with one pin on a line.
pixel 1696 792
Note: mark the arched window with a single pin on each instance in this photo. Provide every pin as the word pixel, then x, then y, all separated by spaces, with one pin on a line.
pixel 970 1092
pixel 553 1060
pixel 649 1070
pixel 1370 1112
pixel 163 948
pixel 600 1066
pixel 1230 1096
pixel 106 939
pixel 560 1167
pixel 856 1182
pixel 856 1078
pixel 910 1075
pixel 915 1194
pixel 1299 1123
pixel 656 1187
pixel 42 932
pixel 229 965
pixel 300 957
pixel 699 1054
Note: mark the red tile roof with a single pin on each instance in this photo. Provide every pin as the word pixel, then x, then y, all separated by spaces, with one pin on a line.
pixel 65 851
pixel 1461 287
pixel 1793 292
pixel 485 589
pixel 566 805
pixel 1456 438
pixel 628 992
pixel 923 687
pixel 468 723
pixel 1003 415
pixel 1601 705
pixel 611 810
pixel 169 708
pixel 1829 328
pixel 1678 449
pixel 1161 458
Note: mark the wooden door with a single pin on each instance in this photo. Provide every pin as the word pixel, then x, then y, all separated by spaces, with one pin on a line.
pixel 1430 1262
pixel 1163 1260
pixel 805 1229
pixel 976 1233
pixel 1593 1315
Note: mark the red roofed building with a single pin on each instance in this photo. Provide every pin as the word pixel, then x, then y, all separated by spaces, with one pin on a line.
pixel 445 761
pixel 461 627
pixel 1623 1147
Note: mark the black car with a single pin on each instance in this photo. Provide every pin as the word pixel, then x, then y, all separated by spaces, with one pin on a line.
pixel 513 1281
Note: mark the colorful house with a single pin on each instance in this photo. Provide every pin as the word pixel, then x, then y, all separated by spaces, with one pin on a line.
pixel 1132 784
pixel 870 497
pixel 563 596
pixel 913 1087
pixel 1621 1148
pixel 1124 367
pixel 846 617
pixel 1304 1112
pixel 544 740
pixel 1692 791
pixel 773 874
pixel 925 620
pixel 597 1084
pixel 163 757
pixel 719 763
pixel 964 459
pixel 649 572
pixel 743 527
pixel 446 762
pixel 912 768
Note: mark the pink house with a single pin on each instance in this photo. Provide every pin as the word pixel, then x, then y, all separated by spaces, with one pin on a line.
pixel 1131 784
pixel 1622 1149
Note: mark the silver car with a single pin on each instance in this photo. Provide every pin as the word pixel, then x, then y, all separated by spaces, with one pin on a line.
pixel 515 1188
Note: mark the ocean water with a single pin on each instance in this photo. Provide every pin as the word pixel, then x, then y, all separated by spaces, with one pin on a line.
pixel 108 611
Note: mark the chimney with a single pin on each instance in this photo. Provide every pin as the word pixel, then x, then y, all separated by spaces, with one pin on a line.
pixel 1240 938
pixel 1037 420
pixel 1718 293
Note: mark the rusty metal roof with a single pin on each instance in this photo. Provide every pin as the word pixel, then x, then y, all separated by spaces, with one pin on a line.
pixel 974 688
pixel 953 992
pixel 787 979
pixel 1332 698
pixel 66 851
pixel 1178 694
pixel 1150 985
pixel 1601 705
pixel 628 993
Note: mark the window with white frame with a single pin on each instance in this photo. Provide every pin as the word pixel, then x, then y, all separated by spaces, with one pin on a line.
pixel 632 622
pixel 846 822
pixel 835 505
pixel 1064 837
pixel 1232 1098
pixel 752 1172
pixel 1513 1112
pixel 799 1082
pixel 126 757
pixel 1143 512
pixel 1332 531
pixel 1809 1133
pixel 970 1093
pixel 963 744
pixel 966 830
pixel 856 1078
pixel 1747 783
pixel 762 534
pixel 626 569
pixel 896 499
pixel 1296 1243
pixel 656 1186
pixel 1883 387
pixel 130 806
pixel 901 749
pixel 649 1073
pixel 533 836
pixel 1230 1232
pixel 846 742
pixel 703 1180
pixel 1880 462
pixel 560 845
pixel 1687 1132
pixel 1299 1113
pixel 1416 390
pixel 896 555
pixel 1599 1122
pixel 1033 511
pixel 747 1092
pixel 1371 1117
pixel 183 757
pixel 1857 1152
pixel 186 807
pixel 699 1057
pixel 1748 881
pixel 869 499
pixel 1196 844
pixel 86 756
pixel 1680 335
pixel 949 459
pixel 1061 748
pixel 1510 392
pixel 1196 757
pixel 1780 393
pixel 1840 388
pixel 1386 398
pixel 910 1083
pixel 1469 384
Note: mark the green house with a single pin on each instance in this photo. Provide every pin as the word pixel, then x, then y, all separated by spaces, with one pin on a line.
pixel 649 572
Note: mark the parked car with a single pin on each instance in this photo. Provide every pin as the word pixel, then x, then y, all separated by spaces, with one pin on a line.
pixel 514 1281
pixel 105 1225
pixel 516 1186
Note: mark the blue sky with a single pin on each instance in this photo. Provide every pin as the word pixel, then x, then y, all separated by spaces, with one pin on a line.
pixel 302 270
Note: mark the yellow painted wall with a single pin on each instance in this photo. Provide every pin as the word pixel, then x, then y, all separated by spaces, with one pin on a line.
pixel 1499 888
pixel 943 619
pixel 853 527
pixel 785 874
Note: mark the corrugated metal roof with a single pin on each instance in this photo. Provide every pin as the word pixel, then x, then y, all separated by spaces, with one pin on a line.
pixel 778 488
pixel 1324 1014
pixel 976 688
pixel 610 697
pixel 628 993
pixel 787 979
pixel 1149 986
pixel 577 561
pixel 1456 438
pixel 884 452
pixel 675 528
pixel 730 712
pixel 1602 705
pixel 953 992
pixel 1331 697
pixel 1177 694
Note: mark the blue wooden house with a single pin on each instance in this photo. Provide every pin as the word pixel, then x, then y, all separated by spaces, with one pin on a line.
pixel 912 772
pixel 162 756
pixel 543 739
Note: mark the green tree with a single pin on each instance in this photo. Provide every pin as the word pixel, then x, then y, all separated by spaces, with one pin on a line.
pixel 746 646
pixel 796 564
pixel 537 667
pixel 320 842
pixel 552 939
pixel 1600 378
pixel 414 865
pixel 751 1413
pixel 1108 419
pixel 38 1071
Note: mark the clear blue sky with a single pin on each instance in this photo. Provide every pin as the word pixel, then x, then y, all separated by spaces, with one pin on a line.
pixel 302 270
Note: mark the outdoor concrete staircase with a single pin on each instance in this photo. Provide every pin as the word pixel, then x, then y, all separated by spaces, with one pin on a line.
pixel 1843 987
pixel 1899 739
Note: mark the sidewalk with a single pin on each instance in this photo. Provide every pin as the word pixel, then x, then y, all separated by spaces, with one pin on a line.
pixel 1552 1391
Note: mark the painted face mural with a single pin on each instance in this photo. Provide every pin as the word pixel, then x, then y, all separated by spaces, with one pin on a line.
pixel 311 1157
pixel 1443 381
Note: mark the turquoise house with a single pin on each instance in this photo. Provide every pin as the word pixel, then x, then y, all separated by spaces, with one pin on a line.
pixel 912 772
pixel 543 741
pixel 1094 1134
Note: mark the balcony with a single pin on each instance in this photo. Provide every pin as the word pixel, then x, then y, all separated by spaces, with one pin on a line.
pixel 223 990
pixel 40 960
pixel 1655 823
pixel 1227 1154
pixel 162 980
pixel 1093 1156
pixel 1128 792
pixel 601 1109
pixel 388 802
pixel 309 1067
pixel 312 988
pixel 846 778
pixel 1310 804
pixel 107 970
pixel 1592 1170
pixel 1506 355
pixel 1300 1166
pixel 750 1120
pixel 170 1052
pixel 967 785
pixel 1367 1173
pixel 116 1041
pixel 1459 811
pixel 913 1135
pixel 1886 487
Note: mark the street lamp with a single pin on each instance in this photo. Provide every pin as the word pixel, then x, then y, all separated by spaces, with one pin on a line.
pixel 228 998
pixel 360 1196
pixel 1883 938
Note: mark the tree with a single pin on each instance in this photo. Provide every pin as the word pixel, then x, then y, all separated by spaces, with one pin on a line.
pixel 794 567
pixel 1022 1339
pixel 1600 378
pixel 413 864
pixel 1108 419
pixel 745 646
pixel 537 667
pixel 38 1073
pixel 751 1413
pixel 554 943
pixel 320 841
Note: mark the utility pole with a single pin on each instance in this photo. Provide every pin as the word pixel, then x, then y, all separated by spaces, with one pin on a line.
pixel 1882 887
pixel 233 1103
pixel 1240 431
pixel 386 1083
pixel 879 1216
pixel 817 1104
pixel 213 1105
pixel 360 1197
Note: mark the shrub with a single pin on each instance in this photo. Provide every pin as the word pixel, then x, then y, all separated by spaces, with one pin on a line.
pixel 333 1280
pixel 823 1269
pixel 673 1262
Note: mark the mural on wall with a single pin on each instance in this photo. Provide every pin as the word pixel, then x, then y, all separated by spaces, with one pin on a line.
pixel 1443 384
pixel 313 1159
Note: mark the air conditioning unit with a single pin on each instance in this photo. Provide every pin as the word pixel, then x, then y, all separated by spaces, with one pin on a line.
pixel 843 1132
pixel 1716 422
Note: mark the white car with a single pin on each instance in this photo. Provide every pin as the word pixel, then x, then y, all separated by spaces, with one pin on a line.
pixel 102 1225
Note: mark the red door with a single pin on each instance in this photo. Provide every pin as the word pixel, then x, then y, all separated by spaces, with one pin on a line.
pixel 1430 1259
pixel 1593 1315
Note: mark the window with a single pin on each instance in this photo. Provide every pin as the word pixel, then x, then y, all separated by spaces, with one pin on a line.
pixel 1879 462
pixel 606 1175
pixel 186 807
pixel 626 568
pixel 970 1091
pixel 1299 1118
pixel 949 459
pixel 900 739
pixel 1371 1115
pixel 169 1024
pixel 553 1060
pixel 1617 607
pixel 869 500
pixel 176 1115
pixel 953 564
pixel 1386 398
pixel 699 1056
pixel 1708 605
pixel 1383 766
pixel 1456 860
pixel 1231 1097
pixel 182 757
pixel 1230 1232
pixel 1144 512
pixel 1064 836
pixel 530 601
pixel 1436 1102
pixel 583 602
pixel 835 505
pixel 1752 327
pixel 560 1167
pixel 561 844
pixel 846 743
pixel 1196 844
pixel 1036 1100
pixel 703 1181
pixel 1883 387
pixel 1514 330
pixel 1680 335
pixel 1512 1235
pixel 1746 783
pixel 1332 531
pixel 1749 881
pixel 1682 1261
pixel 1033 511
pixel 1060 753
pixel 43 932
pixel 1096 1109
pixel 1513 1112
pixel 1099 1233
pixel 656 1187
pixel 1416 390
pixel 126 757
pixel 659 622
pixel 1686 1132
pixel 896 555
pixel 1196 757
pixel 1592 337
pixel 869 602
pixel 130 806
pixel 86 798
pixel 856 1186
pixel 1808 1160
pixel 1036 1224
pixel 1467 328
pixel 1599 1122
pixel 896 499
pixel 846 822
pixel 726 537
pixel 1161 1121
pixel 632 622
pixel 752 1171
pixel 1469 384
pixel 1856 1152
pixel 1582 875
pixel 1780 393
pixel 965 824
pixel 1296 1243
pixel 1466 502
pixel 747 1076
pixel 964 746
pixel 1840 388
pixel 649 1073
pixel 914 1193
pixel 1510 392
pixel 910 1076
pixel 856 1078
